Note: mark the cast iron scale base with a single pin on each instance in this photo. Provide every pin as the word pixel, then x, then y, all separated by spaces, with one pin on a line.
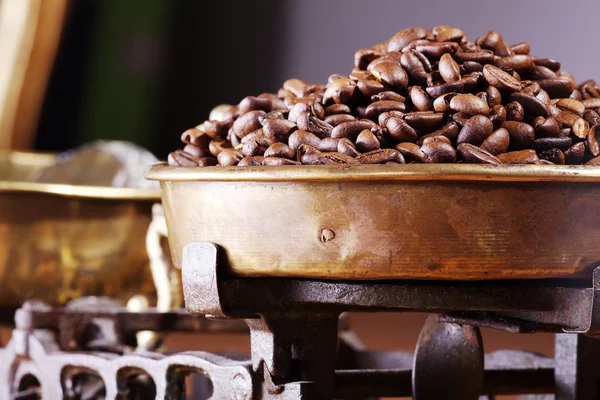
pixel 298 348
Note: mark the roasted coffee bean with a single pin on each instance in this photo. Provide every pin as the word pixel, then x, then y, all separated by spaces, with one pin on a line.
pixel 329 144
pixel 279 129
pixel 381 156
pixel 341 90
pixel 335 159
pixel 251 161
pixel 557 88
pixel 350 129
pixel 466 84
pixel 539 72
pixel 196 151
pixel 409 151
pixel 345 146
pixel 366 141
pixel 460 118
pixel 572 106
pixel 490 41
pixel 296 87
pixel 337 109
pixel 475 130
pixel 425 61
pixel 403 38
pixel 247 123
pixel 521 48
pixel 531 104
pixel 196 137
pixel 591 103
pixel 363 57
pixel 229 157
pixel 374 109
pixel 217 129
pixel 449 34
pixel 449 69
pixel 517 62
pixel 543 97
pixel 450 130
pixel 435 50
pixel 591 117
pixel 391 74
pixel 253 148
pixel 335 120
pixel 549 143
pixel 180 158
pixel 555 156
pixel 299 138
pixel 399 130
pixel 469 104
pixel 388 96
pixel 494 98
pixel 471 66
pixel 442 103
pixel 548 63
pixel 497 116
pixel 276 161
pixel 383 117
pixel 309 123
pixel 218 145
pixel 519 157
pixel 521 134
pixel 497 142
pixel 593 140
pixel 280 150
pixel 514 111
pixel 475 155
pixel 576 95
pixel 369 87
pixel 482 57
pixel 421 101
pixel 424 121
pixel 546 127
pixel 575 154
pixel 580 128
pixel 437 150
pixel 252 103
pixel 593 161
pixel 414 68
pixel 500 79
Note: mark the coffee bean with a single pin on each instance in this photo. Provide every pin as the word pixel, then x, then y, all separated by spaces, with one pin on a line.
pixel 469 104
pixel 366 141
pixel 196 137
pixel 517 62
pixel 449 34
pixel 363 57
pixel 546 127
pixel 424 121
pixel 307 122
pixel 370 87
pixel 388 95
pixel 572 106
pixel 299 138
pixel 383 117
pixel 337 109
pixel 435 50
pixel 403 38
pixel 336 159
pixel 531 104
pixel 180 158
pixel 575 154
pixel 475 130
pixel 521 48
pixel 399 130
pixel 217 129
pixel 279 129
pixel 218 145
pixel 449 69
pixel 548 63
pixel 494 98
pixel 482 57
pixel 450 130
pixel 196 151
pixel 350 129
pixel 229 157
pixel 247 123
pixel 276 161
pixel 464 85
pixel 409 151
pixel 580 128
pixel 593 140
pixel 591 117
pixel 558 87
pixel 335 120
pixel 251 161
pixel 555 156
pixel 548 143
pixel 514 111
pixel 460 118
pixel 437 150
pixel 470 66
pixel 381 156
pixel 539 72
pixel 475 155
pixel 414 68
pixel 521 134
pixel 391 74
pixel 251 103
pixel 345 146
pixel 497 142
pixel 374 109
pixel 280 150
pixel 442 103
pixel 329 144
pixel 497 116
pixel 591 103
pixel 341 90
pixel 490 41
pixel 420 99
pixel 593 161
pixel 519 157
pixel 500 79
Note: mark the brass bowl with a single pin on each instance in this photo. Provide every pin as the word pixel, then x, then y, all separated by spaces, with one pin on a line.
pixel 453 222
pixel 59 242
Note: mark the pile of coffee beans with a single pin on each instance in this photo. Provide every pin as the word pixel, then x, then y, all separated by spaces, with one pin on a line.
pixel 423 96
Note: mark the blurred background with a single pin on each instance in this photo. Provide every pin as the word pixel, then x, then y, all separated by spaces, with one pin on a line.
pixel 145 70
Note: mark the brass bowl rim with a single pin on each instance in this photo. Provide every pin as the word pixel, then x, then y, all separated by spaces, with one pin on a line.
pixel 409 172
pixel 75 191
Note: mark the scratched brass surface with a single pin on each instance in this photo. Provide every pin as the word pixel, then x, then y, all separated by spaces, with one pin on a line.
pixel 461 222
pixel 59 242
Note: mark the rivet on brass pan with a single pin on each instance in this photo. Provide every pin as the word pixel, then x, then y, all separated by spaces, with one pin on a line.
pixel 327 235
